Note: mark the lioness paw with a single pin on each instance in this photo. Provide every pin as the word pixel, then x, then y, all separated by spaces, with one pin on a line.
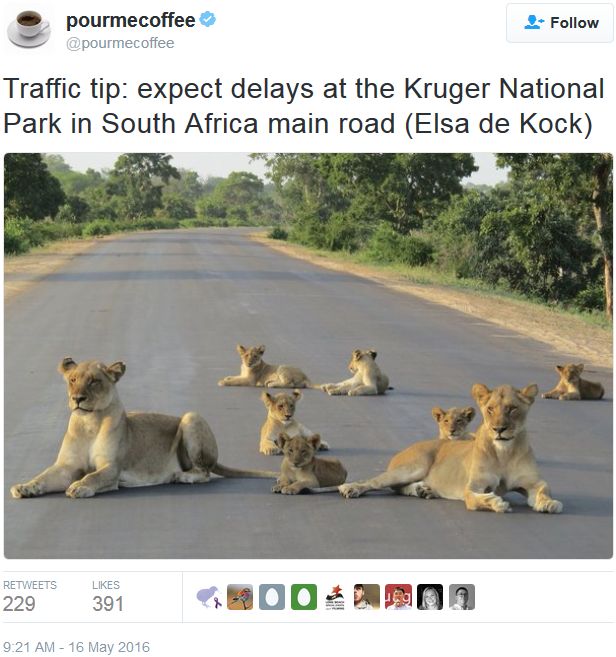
pixel 25 490
pixel 289 490
pixel 549 506
pixel 501 506
pixel 270 449
pixel 77 489
pixel 323 446
pixel 349 490
pixel 276 488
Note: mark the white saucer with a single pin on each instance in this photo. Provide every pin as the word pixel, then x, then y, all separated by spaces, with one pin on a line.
pixel 28 42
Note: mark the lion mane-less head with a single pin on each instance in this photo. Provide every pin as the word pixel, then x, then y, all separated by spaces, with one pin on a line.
pixel 452 424
pixel 298 451
pixel 90 384
pixel 281 407
pixel 251 356
pixel 358 355
pixel 504 410
pixel 570 373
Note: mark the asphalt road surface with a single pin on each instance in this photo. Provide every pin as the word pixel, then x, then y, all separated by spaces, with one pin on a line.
pixel 173 305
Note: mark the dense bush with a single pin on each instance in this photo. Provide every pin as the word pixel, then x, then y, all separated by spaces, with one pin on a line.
pixel 98 228
pixel 387 245
pixel 278 233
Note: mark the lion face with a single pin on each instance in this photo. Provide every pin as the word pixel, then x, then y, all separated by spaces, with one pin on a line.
pixel 358 355
pixel 571 373
pixel 251 356
pixel 281 407
pixel 298 451
pixel 90 384
pixel 452 424
pixel 504 410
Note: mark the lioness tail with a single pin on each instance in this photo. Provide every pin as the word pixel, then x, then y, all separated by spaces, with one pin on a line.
pixel 224 471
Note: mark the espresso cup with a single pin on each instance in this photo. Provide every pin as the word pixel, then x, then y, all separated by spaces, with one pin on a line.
pixel 30 23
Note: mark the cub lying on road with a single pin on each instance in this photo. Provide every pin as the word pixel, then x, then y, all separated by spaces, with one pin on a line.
pixel 477 471
pixel 256 372
pixel 367 377
pixel 301 469
pixel 280 412
pixel 573 386
pixel 452 425
pixel 105 448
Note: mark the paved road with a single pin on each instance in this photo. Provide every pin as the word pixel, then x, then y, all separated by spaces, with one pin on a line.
pixel 173 305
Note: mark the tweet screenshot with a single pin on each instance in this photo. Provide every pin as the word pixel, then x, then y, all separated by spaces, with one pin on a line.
pixel 307 319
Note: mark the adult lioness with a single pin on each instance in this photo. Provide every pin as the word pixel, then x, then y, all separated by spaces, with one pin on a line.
pixel 105 448
pixel 367 377
pixel 256 372
pixel 573 386
pixel 477 471
pixel 301 469
pixel 452 425
pixel 280 412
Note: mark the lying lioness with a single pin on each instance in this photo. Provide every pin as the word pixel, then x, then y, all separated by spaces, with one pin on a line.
pixel 477 471
pixel 367 377
pixel 105 448
pixel 573 386
pixel 256 372
pixel 301 469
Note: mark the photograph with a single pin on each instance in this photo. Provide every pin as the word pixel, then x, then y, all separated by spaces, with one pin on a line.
pixel 308 356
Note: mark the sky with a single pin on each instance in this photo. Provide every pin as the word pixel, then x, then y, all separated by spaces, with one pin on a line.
pixel 221 164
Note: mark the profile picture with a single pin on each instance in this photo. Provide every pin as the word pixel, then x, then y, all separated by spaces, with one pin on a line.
pixel 461 597
pixel 366 596
pixel 239 597
pixel 429 597
pixel 29 29
pixel 398 597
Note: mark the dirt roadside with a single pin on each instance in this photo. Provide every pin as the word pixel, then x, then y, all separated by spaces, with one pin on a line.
pixel 573 337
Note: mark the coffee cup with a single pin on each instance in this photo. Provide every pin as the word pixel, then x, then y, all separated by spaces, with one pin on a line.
pixel 30 23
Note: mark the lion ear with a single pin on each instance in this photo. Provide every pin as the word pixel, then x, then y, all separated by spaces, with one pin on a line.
pixel 297 394
pixel 373 353
pixel 559 368
pixel 115 371
pixel 580 367
pixel 357 354
pixel 529 393
pixel 66 365
pixel 437 413
pixel 469 413
pixel 480 392
pixel 261 349
pixel 282 439
pixel 267 398
pixel 315 440
pixel 241 349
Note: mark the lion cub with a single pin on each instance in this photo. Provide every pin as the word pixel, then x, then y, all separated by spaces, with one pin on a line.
pixel 301 469
pixel 280 412
pixel 367 377
pixel 573 386
pixel 452 425
pixel 256 372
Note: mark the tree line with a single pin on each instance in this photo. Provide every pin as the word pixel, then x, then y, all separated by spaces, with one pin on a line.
pixel 545 233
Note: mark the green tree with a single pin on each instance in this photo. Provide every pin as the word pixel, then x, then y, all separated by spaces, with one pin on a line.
pixel 139 178
pixel 29 189
pixel 583 184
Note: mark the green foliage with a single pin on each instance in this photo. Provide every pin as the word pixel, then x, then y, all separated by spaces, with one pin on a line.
pixel 30 191
pixel 177 207
pixel 98 228
pixel 278 233
pixel 386 245
pixel 138 179
pixel 16 235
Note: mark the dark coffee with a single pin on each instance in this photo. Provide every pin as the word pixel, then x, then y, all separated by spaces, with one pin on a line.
pixel 29 20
